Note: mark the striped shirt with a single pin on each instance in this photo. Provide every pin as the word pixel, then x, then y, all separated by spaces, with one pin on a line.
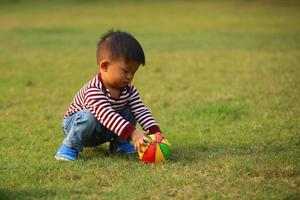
pixel 96 98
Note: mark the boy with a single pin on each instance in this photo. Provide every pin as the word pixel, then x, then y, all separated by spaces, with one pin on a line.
pixel 106 108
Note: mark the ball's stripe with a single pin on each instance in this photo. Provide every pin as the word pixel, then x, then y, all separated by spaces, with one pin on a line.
pixel 141 153
pixel 148 155
pixel 159 138
pixel 159 157
pixel 152 137
pixel 165 149
pixel 165 141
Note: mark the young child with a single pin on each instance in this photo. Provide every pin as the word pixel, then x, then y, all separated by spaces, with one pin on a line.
pixel 107 107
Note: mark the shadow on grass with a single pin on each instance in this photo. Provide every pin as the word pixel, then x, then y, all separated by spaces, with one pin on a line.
pixel 102 151
pixel 204 152
pixel 192 153
pixel 188 153
pixel 25 193
pixel 183 153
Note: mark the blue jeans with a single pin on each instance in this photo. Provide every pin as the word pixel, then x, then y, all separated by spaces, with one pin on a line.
pixel 82 129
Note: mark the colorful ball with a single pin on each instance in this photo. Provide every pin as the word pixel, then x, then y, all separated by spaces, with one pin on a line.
pixel 157 151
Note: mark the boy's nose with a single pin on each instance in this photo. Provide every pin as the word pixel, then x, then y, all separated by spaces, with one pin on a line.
pixel 129 76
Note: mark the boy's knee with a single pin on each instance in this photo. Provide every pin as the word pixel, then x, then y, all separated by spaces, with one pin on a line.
pixel 85 117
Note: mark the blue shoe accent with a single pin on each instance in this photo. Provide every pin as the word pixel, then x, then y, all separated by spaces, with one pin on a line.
pixel 66 153
pixel 115 147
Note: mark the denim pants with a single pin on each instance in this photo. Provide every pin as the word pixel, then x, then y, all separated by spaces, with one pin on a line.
pixel 82 129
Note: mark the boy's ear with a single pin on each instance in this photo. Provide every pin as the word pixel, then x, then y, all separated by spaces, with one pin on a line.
pixel 103 65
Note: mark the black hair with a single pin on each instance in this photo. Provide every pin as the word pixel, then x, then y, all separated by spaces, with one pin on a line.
pixel 119 44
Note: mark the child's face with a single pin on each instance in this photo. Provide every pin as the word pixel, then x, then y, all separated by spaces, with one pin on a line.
pixel 118 74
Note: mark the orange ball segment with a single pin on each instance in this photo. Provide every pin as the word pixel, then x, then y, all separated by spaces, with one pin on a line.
pixel 157 151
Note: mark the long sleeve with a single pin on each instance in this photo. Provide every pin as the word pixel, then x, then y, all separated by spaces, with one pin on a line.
pixel 142 113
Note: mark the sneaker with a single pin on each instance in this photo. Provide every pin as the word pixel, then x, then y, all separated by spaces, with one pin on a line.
pixel 66 153
pixel 116 147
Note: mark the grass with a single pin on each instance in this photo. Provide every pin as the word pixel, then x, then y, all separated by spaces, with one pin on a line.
pixel 222 80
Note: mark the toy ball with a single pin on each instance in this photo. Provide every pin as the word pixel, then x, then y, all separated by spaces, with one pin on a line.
pixel 157 151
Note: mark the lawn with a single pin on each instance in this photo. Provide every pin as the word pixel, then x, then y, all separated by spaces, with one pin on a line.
pixel 221 78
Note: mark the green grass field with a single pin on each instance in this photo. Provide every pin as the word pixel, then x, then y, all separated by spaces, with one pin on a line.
pixel 222 79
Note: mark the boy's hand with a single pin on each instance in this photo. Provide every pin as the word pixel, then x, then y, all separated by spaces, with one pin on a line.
pixel 140 138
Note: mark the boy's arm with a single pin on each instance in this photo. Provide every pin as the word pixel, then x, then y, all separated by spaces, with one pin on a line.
pixel 142 113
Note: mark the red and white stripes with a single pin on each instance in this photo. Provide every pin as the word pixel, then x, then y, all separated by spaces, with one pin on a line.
pixel 96 98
